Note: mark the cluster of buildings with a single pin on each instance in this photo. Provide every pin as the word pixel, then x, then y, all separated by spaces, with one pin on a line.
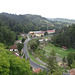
pixel 40 33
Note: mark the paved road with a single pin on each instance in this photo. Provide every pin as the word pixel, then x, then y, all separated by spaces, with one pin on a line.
pixel 32 63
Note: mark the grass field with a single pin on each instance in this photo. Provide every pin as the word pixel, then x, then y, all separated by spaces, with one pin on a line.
pixel 40 55
pixel 34 59
pixel 59 51
pixel 19 38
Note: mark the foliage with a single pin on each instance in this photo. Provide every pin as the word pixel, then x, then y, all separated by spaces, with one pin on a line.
pixel 70 58
pixel 64 59
pixel 46 33
pixel 66 37
pixel 40 73
pixel 12 65
pixel 57 72
pixel 6 35
pixel 52 64
pixel 25 23
pixel 23 39
pixel 73 64
pixel 33 45
pixel 20 46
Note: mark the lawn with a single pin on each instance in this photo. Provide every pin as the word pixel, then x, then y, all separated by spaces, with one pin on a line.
pixel 59 51
pixel 19 38
pixel 34 59
pixel 40 55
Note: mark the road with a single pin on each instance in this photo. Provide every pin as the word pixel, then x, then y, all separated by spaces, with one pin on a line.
pixel 32 63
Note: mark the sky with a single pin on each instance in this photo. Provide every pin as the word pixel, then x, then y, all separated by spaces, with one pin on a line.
pixel 45 8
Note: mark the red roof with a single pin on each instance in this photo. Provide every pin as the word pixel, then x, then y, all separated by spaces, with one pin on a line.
pixel 72 71
pixel 51 30
pixel 37 70
pixel 14 47
pixel 64 47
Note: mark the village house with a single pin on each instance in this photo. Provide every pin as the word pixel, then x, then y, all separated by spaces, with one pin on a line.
pixel 64 48
pixel 36 70
pixel 14 48
pixel 22 35
pixel 51 31
pixel 70 72
pixel 36 33
pixel 39 33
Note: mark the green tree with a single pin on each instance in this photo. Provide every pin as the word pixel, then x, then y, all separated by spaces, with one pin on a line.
pixel 57 72
pixel 33 45
pixel 12 65
pixel 20 46
pixel 52 64
pixel 23 39
pixel 70 58
pixel 46 33
pixel 73 64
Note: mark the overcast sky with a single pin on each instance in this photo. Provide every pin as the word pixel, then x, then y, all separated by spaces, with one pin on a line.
pixel 45 8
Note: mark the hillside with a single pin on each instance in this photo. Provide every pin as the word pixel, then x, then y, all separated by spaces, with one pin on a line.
pixel 26 23
pixel 62 20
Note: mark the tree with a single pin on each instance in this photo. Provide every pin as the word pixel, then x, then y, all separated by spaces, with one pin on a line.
pixel 33 45
pixel 64 59
pixel 20 46
pixel 70 58
pixel 23 39
pixel 73 64
pixel 52 64
pixel 57 72
pixel 46 33
pixel 12 65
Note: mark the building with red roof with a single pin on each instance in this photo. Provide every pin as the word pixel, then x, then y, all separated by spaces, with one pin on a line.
pixel 51 31
pixel 14 48
pixel 36 70
pixel 72 72
pixel 64 47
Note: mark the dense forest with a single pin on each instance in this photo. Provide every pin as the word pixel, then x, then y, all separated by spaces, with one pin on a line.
pixel 11 25
pixel 65 37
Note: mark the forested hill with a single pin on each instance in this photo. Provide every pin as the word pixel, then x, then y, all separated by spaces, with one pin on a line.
pixel 26 23
pixel 62 20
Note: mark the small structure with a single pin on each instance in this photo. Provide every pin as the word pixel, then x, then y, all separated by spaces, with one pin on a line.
pixel 41 40
pixel 64 48
pixel 14 48
pixel 51 31
pixel 36 70
pixel 72 72
pixel 22 34
pixel 37 33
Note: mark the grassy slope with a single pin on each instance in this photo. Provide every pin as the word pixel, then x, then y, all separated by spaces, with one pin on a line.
pixel 59 50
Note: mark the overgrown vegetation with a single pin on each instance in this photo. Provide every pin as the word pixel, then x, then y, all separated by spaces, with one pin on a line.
pixel 66 37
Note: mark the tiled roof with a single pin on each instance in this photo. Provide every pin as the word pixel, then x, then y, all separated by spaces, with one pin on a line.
pixel 37 70
pixel 72 71
pixel 14 47
pixel 51 30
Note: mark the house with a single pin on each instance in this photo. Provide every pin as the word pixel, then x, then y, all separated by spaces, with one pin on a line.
pixel 72 72
pixel 41 40
pixel 14 48
pixel 64 48
pixel 36 70
pixel 31 33
pixel 39 33
pixel 17 41
pixel 50 31
pixel 22 34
